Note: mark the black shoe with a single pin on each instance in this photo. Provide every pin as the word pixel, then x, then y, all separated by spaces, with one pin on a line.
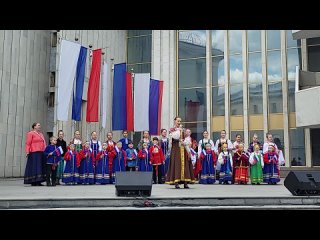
pixel 186 186
pixel 177 186
pixel 34 184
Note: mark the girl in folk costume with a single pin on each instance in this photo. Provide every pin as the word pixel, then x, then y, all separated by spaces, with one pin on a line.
pixel 254 141
pixel 241 165
pixel 61 143
pixel 102 175
pixel 208 160
pixel 145 139
pixel 180 168
pixel 156 160
pixel 271 172
pixel 132 156
pixel 164 144
pixel 278 152
pixel 77 141
pixel 119 161
pixel 144 159
pixel 95 144
pixel 225 160
pixel 203 142
pixel 71 172
pixel 256 161
pixel 110 149
pixel 236 143
pixel 86 169
pixel 52 153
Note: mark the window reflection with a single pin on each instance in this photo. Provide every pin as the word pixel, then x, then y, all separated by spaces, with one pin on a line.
pixel 132 33
pixel 218 71
pixel 215 136
pixel 192 44
pixel 139 49
pixel 273 39
pixel 274 66
pixel 294 59
pixel 297 149
pixel 192 73
pixel 218 97
pixel 236 99
pixel 197 129
pixel 254 68
pixel 235 41
pixel 236 69
pixel 275 97
pixel 291 42
pixel 291 100
pixel 315 143
pixel 255 99
pixel 192 104
pixel 254 40
pixel 139 68
pixel 217 42
pixel 314 58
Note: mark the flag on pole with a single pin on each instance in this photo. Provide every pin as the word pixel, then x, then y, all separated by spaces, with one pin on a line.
pixel 94 87
pixel 129 102
pixel 104 94
pixel 155 104
pixel 69 54
pixel 119 100
pixel 77 95
pixel 141 101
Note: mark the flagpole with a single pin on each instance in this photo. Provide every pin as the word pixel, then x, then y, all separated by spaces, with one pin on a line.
pixel 132 91
pixel 55 115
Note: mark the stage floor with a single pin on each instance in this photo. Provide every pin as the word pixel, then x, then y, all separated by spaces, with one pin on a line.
pixel 15 195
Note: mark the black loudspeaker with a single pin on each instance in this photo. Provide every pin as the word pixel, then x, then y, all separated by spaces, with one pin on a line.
pixel 133 183
pixel 303 183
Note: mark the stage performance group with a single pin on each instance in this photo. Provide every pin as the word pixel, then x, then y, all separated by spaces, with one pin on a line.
pixel 174 158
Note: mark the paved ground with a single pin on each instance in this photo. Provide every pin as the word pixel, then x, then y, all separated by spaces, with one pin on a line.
pixel 15 195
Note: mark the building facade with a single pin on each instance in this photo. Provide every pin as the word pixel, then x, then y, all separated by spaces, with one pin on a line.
pixel 242 81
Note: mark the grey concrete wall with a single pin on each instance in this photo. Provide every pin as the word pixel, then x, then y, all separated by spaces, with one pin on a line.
pixel 116 43
pixel 24 74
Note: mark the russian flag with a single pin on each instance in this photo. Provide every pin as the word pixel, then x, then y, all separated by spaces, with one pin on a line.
pixel 155 106
pixel 119 99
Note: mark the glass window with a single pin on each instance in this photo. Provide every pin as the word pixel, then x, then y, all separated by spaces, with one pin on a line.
pixel 313 41
pixel 192 104
pixel 254 40
pixel 294 59
pixel 315 145
pixel 139 49
pixel 217 42
pixel 192 44
pixel 215 136
pixel 291 42
pixel 255 99
pixel 139 68
pixel 260 134
pixel 192 73
pixel 297 149
pixel 274 66
pixel 218 71
pixel 254 68
pixel 236 69
pixel 314 58
pixel 236 99
pixel 291 90
pixel 233 136
pixel 196 129
pixel 273 39
pixel 132 33
pixel 235 41
pixel 275 97
pixel 218 97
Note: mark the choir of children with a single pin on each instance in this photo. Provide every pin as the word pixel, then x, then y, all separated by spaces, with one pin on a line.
pixel 92 162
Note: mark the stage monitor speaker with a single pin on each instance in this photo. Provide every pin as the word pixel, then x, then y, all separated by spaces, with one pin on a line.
pixel 133 183
pixel 303 183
